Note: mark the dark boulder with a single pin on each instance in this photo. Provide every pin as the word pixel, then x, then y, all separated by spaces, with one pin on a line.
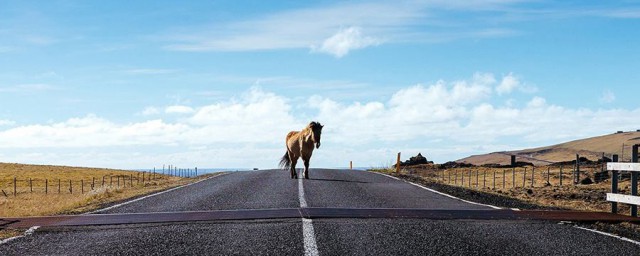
pixel 586 181
pixel 416 160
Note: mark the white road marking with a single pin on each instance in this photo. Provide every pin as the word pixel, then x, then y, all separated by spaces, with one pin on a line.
pixel 440 193
pixel 152 195
pixel 609 234
pixel 303 202
pixel 310 247
pixel 308 235
pixel 26 233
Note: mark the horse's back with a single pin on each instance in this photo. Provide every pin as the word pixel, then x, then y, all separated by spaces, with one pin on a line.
pixel 291 134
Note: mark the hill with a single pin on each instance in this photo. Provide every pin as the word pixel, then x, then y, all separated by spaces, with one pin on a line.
pixel 591 148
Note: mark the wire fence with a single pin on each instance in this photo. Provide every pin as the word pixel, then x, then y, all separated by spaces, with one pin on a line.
pixel 513 178
pixel 30 185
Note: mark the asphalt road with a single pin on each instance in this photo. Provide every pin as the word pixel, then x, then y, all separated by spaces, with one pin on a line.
pixel 338 236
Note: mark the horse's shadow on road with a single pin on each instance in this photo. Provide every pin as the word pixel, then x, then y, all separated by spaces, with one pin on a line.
pixel 335 180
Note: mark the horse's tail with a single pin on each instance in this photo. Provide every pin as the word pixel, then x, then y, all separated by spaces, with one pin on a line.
pixel 285 162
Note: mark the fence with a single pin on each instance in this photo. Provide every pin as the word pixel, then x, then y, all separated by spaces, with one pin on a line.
pixel 70 186
pixel 511 178
pixel 634 169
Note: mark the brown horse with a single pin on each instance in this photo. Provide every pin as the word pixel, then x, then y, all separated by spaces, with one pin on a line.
pixel 300 144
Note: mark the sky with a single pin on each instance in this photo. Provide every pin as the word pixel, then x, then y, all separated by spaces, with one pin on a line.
pixel 219 84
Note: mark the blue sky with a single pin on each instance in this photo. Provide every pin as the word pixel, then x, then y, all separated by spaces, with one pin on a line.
pixel 220 83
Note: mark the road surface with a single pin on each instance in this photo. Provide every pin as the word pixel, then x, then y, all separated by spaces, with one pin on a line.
pixel 273 189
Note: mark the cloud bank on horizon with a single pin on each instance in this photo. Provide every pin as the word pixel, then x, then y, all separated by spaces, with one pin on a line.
pixel 442 120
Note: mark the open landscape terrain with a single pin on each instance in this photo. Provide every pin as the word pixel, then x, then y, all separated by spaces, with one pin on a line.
pixel 49 190
pixel 591 148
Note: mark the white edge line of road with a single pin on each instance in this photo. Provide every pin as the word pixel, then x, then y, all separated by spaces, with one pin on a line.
pixel 610 235
pixel 26 233
pixel 441 193
pixel 152 195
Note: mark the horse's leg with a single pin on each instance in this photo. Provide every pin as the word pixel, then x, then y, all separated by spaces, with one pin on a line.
pixel 294 174
pixel 306 167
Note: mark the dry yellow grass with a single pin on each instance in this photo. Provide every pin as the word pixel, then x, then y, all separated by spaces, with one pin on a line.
pixel 578 197
pixel 37 203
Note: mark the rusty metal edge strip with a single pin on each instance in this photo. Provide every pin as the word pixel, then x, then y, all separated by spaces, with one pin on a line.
pixel 316 213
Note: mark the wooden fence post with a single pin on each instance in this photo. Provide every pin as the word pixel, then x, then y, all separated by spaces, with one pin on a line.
pixel 59 186
pixel 455 178
pixel 70 187
pixel 82 186
pixel 560 175
pixel 350 165
pixel 30 185
pixel 614 185
pixel 504 182
pixel 484 179
pixel 46 186
pixel 533 175
pixel 548 175
pixel 513 177
pixel 494 179
pixel 398 164
pixel 576 174
pixel 93 182
pixel 524 178
pixel 15 192
pixel 477 180
pixel 462 178
pixel 634 179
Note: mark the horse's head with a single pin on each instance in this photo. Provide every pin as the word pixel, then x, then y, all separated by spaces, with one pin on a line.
pixel 316 130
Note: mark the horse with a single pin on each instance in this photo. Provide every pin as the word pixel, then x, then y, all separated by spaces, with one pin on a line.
pixel 300 144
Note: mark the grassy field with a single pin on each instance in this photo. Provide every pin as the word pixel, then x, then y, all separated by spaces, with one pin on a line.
pixel 517 183
pixel 85 193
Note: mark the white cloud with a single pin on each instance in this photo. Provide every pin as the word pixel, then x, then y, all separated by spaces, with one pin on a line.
pixel 536 102
pixel 316 27
pixel 346 40
pixel 150 111
pixel 508 84
pixel 293 29
pixel 178 109
pixel 447 119
pixel 607 96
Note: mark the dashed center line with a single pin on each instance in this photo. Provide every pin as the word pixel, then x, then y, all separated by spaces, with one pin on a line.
pixel 308 235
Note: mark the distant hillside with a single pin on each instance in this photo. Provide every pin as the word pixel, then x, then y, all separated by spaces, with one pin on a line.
pixel 591 148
